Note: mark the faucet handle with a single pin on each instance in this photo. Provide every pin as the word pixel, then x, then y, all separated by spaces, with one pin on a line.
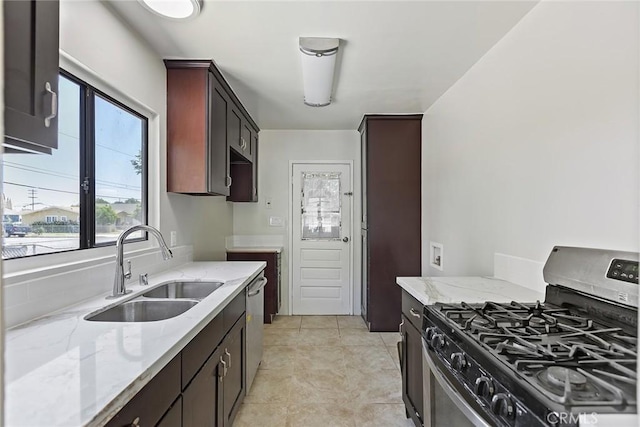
pixel 143 279
pixel 127 275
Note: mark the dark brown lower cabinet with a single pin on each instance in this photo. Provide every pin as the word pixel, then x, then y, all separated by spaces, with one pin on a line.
pixel 411 361
pixel 150 404
pixel 203 397
pixel 188 392
pixel 173 418
pixel 273 271
pixel 234 388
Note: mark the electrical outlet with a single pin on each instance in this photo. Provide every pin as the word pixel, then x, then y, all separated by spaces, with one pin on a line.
pixel 174 239
pixel 276 221
pixel 436 255
pixel 268 202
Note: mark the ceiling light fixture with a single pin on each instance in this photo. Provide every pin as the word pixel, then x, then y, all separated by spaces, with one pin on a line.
pixel 318 66
pixel 174 9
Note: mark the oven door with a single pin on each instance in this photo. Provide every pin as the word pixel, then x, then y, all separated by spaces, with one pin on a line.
pixel 444 405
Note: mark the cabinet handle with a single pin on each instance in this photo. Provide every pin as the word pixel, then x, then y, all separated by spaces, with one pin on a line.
pixel 228 181
pixel 229 356
pixel 54 105
pixel 224 368
pixel 135 422
pixel 400 328
pixel 414 313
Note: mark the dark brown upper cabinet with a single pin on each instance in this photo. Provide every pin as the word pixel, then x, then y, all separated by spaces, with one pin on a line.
pixel 206 124
pixel 31 41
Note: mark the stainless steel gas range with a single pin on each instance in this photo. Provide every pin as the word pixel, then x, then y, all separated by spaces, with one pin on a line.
pixel 568 361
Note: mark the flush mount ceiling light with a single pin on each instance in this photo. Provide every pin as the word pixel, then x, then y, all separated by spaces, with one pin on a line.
pixel 318 66
pixel 174 9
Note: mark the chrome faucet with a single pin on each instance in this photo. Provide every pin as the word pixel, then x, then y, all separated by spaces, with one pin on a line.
pixel 119 287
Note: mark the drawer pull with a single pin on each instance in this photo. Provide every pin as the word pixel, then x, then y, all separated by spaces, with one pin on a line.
pixel 229 356
pixel 414 313
pixel 135 422
pixel 224 368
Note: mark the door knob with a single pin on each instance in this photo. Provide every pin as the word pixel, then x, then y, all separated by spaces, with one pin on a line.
pixel 346 239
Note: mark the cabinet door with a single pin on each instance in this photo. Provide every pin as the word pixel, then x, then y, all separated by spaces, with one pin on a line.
pixel 254 156
pixel 218 177
pixel 234 382
pixel 364 274
pixel 31 74
pixel 234 128
pixel 173 418
pixel 412 371
pixel 245 141
pixel 202 399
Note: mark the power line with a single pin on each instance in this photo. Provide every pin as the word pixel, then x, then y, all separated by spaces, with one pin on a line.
pixel 117 151
pixel 60 191
pixel 34 169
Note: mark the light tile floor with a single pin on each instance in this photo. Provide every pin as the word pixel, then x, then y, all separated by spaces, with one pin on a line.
pixel 325 371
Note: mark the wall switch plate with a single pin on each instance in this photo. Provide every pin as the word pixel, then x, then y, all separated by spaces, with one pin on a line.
pixel 436 255
pixel 268 202
pixel 173 239
pixel 276 221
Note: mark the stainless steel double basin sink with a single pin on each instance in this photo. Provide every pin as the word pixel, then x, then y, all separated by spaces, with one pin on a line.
pixel 162 302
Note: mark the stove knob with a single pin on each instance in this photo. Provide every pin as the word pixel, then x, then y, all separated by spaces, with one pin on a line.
pixel 458 362
pixel 429 333
pixel 502 405
pixel 484 387
pixel 437 340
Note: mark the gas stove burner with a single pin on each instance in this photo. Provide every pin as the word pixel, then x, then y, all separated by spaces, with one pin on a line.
pixel 568 383
pixel 558 376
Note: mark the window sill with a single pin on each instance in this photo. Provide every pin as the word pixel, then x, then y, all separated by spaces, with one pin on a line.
pixel 25 269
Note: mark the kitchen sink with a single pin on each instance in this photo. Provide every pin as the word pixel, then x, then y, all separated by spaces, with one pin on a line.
pixel 191 290
pixel 143 311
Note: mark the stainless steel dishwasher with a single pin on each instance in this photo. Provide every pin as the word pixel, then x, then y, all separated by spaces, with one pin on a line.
pixel 255 326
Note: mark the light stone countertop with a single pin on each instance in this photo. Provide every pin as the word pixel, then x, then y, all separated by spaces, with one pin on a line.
pixel 257 249
pixel 62 370
pixel 429 290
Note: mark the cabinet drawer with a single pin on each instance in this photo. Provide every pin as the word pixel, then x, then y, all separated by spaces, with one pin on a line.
pixel 151 403
pixel 196 353
pixel 234 310
pixel 412 309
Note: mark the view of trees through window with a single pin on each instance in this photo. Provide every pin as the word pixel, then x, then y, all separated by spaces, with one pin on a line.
pixel 88 190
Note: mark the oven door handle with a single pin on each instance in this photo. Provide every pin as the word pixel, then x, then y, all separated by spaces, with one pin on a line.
pixel 448 388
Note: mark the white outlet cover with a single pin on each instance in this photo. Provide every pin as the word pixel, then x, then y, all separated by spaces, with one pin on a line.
pixel 436 249
pixel 268 202
pixel 276 221
pixel 173 239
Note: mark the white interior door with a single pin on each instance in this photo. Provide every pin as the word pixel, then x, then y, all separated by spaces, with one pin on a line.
pixel 321 238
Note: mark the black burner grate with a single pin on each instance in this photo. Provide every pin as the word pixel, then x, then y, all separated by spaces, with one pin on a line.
pixel 572 359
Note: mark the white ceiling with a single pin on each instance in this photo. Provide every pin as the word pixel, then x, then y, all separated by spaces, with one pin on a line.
pixel 397 57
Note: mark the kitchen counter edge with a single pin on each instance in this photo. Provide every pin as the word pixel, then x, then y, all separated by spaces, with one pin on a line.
pixel 183 331
pixel 470 289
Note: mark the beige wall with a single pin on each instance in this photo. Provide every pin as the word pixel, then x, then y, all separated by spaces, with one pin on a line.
pixel 276 150
pixel 537 144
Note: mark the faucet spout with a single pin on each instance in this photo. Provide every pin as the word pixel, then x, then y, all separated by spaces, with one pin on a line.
pixel 119 287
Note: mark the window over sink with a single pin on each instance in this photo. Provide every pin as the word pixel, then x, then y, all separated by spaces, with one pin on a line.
pixel 88 190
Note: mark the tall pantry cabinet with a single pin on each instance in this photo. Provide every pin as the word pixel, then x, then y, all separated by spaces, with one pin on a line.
pixel 391 214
